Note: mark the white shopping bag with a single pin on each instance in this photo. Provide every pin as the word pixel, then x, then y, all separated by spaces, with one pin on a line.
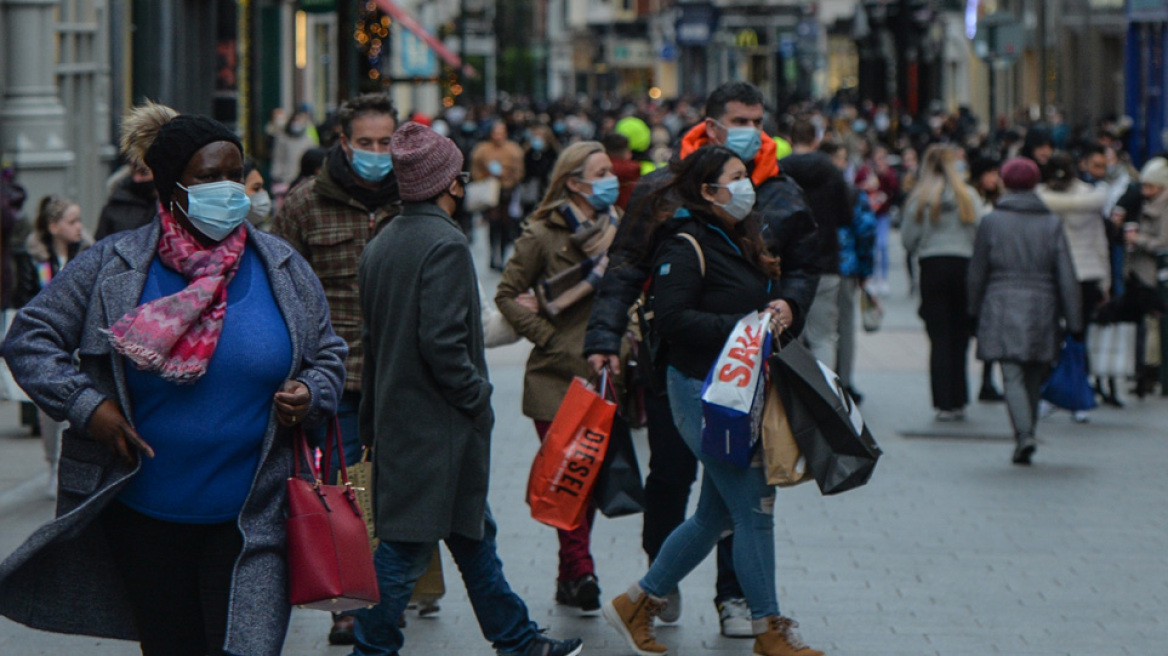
pixel 732 396
pixel 1111 349
pixel 9 390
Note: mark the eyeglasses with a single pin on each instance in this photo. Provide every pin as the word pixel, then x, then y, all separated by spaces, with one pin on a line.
pixel 464 178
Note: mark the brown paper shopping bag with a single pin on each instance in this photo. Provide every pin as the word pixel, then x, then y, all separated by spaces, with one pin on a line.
pixel 785 465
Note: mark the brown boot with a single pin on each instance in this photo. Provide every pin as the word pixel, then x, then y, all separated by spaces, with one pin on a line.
pixel 780 639
pixel 631 614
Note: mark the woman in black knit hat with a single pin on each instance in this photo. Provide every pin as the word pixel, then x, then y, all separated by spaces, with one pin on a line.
pixel 201 342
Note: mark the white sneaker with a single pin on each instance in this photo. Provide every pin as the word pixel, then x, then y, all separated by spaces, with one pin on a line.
pixel 734 616
pixel 1046 409
pixel 1081 416
pixel 672 611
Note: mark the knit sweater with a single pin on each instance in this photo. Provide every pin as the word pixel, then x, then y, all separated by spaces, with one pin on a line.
pixel 948 237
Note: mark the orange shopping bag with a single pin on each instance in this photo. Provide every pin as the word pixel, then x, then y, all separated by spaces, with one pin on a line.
pixel 568 463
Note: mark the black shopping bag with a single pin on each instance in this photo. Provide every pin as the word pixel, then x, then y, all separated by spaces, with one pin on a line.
pixel 619 491
pixel 840 450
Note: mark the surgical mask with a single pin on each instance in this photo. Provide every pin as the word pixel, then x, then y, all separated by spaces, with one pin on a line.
pixel 216 208
pixel 537 144
pixel 495 168
pixel 961 166
pixel 744 140
pixel 142 189
pixel 741 198
pixel 371 166
pixel 604 192
pixel 261 206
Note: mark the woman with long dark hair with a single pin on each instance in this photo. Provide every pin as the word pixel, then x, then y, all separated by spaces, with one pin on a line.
pixel 710 274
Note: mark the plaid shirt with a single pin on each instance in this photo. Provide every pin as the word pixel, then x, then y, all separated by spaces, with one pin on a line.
pixel 330 229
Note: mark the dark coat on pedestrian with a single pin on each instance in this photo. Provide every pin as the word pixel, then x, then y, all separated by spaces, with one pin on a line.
pixel 1022 282
pixel 828 196
pixel 697 310
pixel 126 209
pixel 425 396
pixel 788 229
pixel 32 259
pixel 62 578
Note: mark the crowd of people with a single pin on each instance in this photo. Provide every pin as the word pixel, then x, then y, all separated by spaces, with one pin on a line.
pixel 235 307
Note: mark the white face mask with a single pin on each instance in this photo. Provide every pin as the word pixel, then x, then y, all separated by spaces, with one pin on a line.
pixel 261 206
pixel 741 198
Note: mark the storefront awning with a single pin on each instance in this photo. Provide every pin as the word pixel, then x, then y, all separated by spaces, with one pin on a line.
pixel 410 23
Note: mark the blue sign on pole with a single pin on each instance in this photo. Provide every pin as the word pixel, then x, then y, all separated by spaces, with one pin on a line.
pixel 417 59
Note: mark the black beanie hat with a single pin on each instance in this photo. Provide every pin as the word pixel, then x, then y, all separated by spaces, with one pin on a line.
pixel 177 142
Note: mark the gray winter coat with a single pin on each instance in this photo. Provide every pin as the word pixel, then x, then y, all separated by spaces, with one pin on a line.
pixel 1021 282
pixel 425 397
pixel 62 578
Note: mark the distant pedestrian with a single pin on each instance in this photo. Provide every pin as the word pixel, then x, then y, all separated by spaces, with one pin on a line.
pixel 566 239
pixel 132 203
pixel 426 408
pixel 500 158
pixel 201 342
pixel 1021 283
pixel 941 218
pixel 57 237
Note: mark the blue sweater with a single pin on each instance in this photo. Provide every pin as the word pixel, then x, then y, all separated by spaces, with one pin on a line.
pixel 207 436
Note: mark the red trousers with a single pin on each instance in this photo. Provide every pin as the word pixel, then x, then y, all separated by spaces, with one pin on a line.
pixel 575 545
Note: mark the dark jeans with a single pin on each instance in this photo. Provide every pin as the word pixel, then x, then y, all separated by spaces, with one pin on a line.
pixel 673 468
pixel 502 229
pixel 943 307
pixel 178 579
pixel 501 614
pixel 575 545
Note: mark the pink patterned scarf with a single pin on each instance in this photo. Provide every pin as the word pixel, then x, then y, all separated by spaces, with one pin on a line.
pixel 175 336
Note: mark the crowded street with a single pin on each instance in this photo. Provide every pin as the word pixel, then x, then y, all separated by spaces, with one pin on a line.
pixel 948 551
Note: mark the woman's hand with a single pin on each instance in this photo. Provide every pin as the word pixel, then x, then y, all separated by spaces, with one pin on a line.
pixel 528 301
pixel 109 427
pixel 781 315
pixel 292 402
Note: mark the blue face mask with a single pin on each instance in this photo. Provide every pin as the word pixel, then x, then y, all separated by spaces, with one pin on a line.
pixel 744 140
pixel 537 144
pixel 604 192
pixel 216 208
pixel 371 166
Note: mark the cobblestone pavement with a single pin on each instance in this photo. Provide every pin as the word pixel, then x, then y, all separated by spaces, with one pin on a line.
pixel 949 551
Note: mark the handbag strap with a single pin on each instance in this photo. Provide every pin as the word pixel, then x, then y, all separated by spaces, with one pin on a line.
pixel 332 441
pixel 697 247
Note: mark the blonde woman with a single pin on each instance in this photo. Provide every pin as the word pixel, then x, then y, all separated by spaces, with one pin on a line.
pixel 562 254
pixel 941 218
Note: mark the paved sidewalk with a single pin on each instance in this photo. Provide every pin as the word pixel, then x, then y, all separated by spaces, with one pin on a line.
pixel 949 551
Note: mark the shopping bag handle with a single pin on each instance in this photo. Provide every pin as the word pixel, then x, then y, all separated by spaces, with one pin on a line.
pixel 606 385
pixel 332 440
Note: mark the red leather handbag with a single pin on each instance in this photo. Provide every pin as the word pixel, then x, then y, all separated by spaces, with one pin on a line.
pixel 330 566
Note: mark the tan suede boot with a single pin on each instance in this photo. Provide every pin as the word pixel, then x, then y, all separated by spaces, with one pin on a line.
pixel 778 638
pixel 631 614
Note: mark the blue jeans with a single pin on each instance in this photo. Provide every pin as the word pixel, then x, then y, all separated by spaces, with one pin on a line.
pixel 732 499
pixel 502 615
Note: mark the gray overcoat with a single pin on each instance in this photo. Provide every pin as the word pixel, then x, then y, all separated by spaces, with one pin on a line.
pixel 62 578
pixel 425 398
pixel 1022 282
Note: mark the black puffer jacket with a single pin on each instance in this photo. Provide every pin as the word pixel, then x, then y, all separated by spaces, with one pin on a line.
pixel 696 311
pixel 788 229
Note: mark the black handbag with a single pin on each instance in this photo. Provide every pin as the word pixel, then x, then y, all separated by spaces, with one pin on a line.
pixel 619 490
pixel 839 449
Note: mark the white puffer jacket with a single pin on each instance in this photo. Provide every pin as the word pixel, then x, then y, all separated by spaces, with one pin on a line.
pixel 1081 209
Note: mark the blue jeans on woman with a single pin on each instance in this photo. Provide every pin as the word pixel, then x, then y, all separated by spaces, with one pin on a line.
pixel 502 615
pixel 732 499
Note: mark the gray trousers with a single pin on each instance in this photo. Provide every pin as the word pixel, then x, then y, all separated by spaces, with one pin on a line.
pixel 821 332
pixel 1022 387
pixel 849 299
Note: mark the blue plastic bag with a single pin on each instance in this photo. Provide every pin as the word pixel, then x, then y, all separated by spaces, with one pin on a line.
pixel 734 391
pixel 1068 387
